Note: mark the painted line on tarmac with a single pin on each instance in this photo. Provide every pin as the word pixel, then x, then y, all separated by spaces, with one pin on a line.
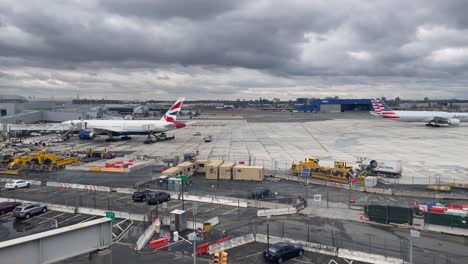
pixel 42 215
pixel 212 209
pixel 89 218
pixel 251 255
pixel 73 217
pixel 230 211
pixel 121 198
pixel 49 218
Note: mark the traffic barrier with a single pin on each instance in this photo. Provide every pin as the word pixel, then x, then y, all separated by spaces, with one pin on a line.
pixel 367 257
pixel 203 248
pixel 234 242
pixel 281 211
pixel 223 240
pixel 159 243
pixel 143 239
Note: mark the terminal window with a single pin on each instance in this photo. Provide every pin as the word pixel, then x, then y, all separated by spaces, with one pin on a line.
pixel 2 112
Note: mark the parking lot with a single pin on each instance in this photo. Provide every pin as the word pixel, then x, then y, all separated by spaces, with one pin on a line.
pixel 123 202
pixel 11 227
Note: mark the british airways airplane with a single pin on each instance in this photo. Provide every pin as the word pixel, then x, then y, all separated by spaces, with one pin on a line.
pixel 431 118
pixel 124 128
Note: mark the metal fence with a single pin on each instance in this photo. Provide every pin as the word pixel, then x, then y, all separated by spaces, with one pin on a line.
pixel 371 242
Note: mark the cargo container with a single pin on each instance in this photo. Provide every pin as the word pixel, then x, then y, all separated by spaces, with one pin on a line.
pixel 187 167
pixel 201 165
pixel 212 169
pixel 225 170
pixel 248 173
pixel 386 168
pixel 172 172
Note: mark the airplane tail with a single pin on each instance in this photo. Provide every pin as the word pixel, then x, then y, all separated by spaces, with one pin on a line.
pixel 383 106
pixel 376 108
pixel 173 112
pixel 386 111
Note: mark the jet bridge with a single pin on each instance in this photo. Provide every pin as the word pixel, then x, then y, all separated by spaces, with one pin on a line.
pixel 58 244
pixel 40 126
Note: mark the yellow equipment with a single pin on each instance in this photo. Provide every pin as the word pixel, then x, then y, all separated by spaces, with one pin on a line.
pixel 224 257
pixel 311 163
pixel 216 258
pixel 39 161
pixel 340 172
pixel 440 188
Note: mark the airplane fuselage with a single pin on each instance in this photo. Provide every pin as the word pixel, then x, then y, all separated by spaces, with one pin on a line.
pixel 126 127
pixel 423 116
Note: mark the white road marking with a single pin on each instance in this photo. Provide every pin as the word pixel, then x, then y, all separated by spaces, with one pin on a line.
pixel 87 219
pixel 73 217
pixel 124 197
pixel 212 208
pixel 230 211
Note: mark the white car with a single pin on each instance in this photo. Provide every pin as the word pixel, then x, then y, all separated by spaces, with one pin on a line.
pixel 17 184
pixel 35 134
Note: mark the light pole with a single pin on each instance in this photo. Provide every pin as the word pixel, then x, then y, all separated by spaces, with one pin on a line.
pixel 268 231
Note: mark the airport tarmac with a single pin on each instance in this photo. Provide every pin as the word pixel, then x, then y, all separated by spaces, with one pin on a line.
pixel 429 155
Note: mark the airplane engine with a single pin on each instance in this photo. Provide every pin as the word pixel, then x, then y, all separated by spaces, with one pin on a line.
pixel 454 122
pixel 86 135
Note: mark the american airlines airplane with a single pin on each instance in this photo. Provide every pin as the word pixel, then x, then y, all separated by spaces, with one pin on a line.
pixel 431 118
pixel 124 128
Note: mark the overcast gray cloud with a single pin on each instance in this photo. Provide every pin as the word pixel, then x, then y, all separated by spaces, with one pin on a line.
pixel 233 49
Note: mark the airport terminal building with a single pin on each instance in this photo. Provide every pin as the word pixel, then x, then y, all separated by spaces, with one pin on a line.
pixel 334 105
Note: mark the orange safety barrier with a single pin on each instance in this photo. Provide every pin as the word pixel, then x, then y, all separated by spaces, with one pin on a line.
pixel 203 248
pixel 223 240
pixel 154 244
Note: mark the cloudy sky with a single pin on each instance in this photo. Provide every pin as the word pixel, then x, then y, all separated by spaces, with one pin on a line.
pixel 205 49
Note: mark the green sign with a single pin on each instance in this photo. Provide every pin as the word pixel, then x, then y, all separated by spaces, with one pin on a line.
pixel 111 215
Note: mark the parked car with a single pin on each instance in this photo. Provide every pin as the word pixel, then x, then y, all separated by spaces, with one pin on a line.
pixel 55 140
pixel 260 192
pixel 282 251
pixel 6 207
pixel 140 196
pixel 158 198
pixel 26 210
pixel 17 184
pixel 35 134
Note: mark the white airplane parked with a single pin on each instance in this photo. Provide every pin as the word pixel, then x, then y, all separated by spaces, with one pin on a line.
pixel 431 118
pixel 124 128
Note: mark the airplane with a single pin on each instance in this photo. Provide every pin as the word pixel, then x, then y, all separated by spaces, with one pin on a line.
pixel 431 118
pixel 125 127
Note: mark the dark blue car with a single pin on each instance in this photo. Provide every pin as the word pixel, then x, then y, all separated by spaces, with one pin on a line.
pixel 282 251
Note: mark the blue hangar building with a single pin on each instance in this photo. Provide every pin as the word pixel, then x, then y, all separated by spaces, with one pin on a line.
pixel 335 105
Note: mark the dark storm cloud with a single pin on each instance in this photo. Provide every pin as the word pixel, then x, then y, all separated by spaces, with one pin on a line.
pixel 220 47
